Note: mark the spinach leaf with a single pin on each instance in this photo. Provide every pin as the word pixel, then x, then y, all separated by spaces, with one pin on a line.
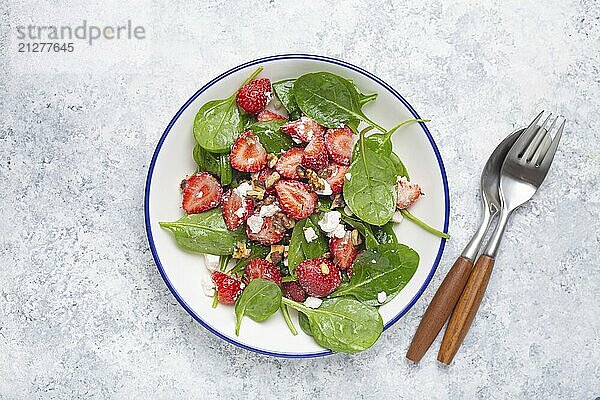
pixel 225 170
pixel 329 99
pixel 207 161
pixel 219 122
pixel 285 94
pixel 295 252
pixel 364 229
pixel 273 140
pixel 318 246
pixel 342 324
pixel 204 233
pixel 371 190
pixel 259 300
pixel 256 251
pixel 304 323
pixel 388 268
pixel 385 234
pixel 399 165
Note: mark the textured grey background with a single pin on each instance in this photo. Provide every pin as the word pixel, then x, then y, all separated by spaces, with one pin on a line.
pixel 83 310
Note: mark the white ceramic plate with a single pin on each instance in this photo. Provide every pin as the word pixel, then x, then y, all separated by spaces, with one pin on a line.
pixel 172 161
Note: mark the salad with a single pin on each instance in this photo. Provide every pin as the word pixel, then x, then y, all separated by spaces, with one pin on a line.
pixel 293 205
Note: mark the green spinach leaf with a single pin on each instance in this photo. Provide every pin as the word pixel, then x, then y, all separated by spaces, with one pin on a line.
pixel 273 140
pixel 364 229
pixel 204 233
pixel 304 323
pixel 330 100
pixel 398 165
pixel 295 251
pixel 385 234
pixel 388 268
pixel 285 94
pixel 259 300
pixel 342 324
pixel 225 170
pixel 371 190
pixel 318 246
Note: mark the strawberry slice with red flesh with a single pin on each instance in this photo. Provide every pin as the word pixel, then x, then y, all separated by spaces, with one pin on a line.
pixel 335 174
pixel 247 154
pixel 288 162
pixel 259 268
pixel 303 129
pixel 408 193
pixel 315 154
pixel 343 251
pixel 267 115
pixel 235 209
pixel 254 96
pixel 228 288
pixel 339 144
pixel 296 199
pixel 294 291
pixel 267 235
pixel 318 277
pixel 201 192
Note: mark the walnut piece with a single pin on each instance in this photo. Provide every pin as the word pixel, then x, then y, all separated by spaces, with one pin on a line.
pixel 276 254
pixel 314 181
pixel 356 239
pixel 271 160
pixel 272 179
pixel 241 251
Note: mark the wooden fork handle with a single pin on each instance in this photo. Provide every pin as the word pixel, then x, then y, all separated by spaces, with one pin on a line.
pixel 440 308
pixel 465 310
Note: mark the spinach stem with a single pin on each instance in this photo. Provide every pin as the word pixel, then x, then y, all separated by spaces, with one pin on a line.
pixel 373 124
pixel 288 279
pixel 215 300
pixel 389 133
pixel 254 75
pixel 296 305
pixel 223 261
pixel 288 320
pixel 424 225
pixel 368 98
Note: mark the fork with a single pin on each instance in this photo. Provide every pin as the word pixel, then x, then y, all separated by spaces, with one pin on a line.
pixel 523 171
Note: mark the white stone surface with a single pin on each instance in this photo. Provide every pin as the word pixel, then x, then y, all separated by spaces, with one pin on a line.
pixel 84 312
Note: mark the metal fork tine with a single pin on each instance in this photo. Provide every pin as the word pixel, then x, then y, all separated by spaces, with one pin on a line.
pixel 542 149
pixel 549 156
pixel 525 138
pixel 537 139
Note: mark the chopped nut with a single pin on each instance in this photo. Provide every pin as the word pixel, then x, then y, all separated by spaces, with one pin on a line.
pixel 326 255
pixel 356 239
pixel 183 184
pixel 314 181
pixel 241 251
pixel 326 172
pixel 281 222
pixel 251 140
pixel 276 254
pixel 271 160
pixel 256 192
pixel 324 269
pixel 301 171
pixel 338 201
pixel 272 179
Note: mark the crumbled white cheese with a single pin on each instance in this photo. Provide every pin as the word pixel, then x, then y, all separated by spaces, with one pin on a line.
pixel 348 211
pixel 348 176
pixel 269 210
pixel 310 234
pixel 338 232
pixel 251 160
pixel 285 262
pixel 330 221
pixel 295 140
pixel 240 212
pixel 373 261
pixel 326 191
pixel 208 286
pixel 200 194
pixel 397 217
pixel 381 297
pixel 211 262
pixel 313 302
pixel 255 223
pixel 243 189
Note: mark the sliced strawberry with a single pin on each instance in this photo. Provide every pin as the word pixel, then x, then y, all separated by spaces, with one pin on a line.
pixel 201 192
pixel 335 174
pixel 343 251
pixel 303 129
pixel 247 154
pixel 318 277
pixel 235 209
pixel 254 96
pixel 408 193
pixel 294 291
pixel 339 144
pixel 266 234
pixel 258 268
pixel 228 288
pixel 315 154
pixel 296 199
pixel 267 115
pixel 288 162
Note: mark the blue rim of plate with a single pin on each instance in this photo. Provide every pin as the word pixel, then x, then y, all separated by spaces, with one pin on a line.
pixel 217 79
